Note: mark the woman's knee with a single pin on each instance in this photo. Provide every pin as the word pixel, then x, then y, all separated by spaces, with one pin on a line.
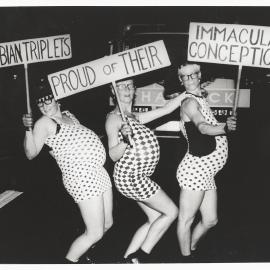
pixel 108 224
pixel 210 222
pixel 172 212
pixel 185 219
pixel 94 235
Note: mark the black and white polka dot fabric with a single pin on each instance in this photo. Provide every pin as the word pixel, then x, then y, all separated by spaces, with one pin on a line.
pixel 132 171
pixel 197 173
pixel 80 155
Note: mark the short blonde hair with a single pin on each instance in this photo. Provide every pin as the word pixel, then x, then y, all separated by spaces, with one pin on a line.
pixel 195 67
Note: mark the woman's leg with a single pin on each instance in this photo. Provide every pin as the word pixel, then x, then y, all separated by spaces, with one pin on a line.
pixel 162 204
pixel 108 209
pixel 141 233
pixel 209 219
pixel 108 222
pixel 161 212
pixel 189 204
pixel 92 211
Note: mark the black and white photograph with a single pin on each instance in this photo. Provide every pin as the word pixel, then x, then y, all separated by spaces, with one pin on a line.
pixel 134 134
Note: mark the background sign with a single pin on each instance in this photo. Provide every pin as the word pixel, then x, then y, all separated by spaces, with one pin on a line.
pixel 152 95
pixel 35 50
pixel 232 44
pixel 108 69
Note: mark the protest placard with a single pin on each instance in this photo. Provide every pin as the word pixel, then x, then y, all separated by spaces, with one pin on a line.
pixel 234 44
pixel 35 50
pixel 109 69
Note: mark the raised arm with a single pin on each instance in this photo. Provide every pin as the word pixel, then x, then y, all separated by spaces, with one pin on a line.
pixel 191 109
pixel 113 125
pixel 169 107
pixel 35 139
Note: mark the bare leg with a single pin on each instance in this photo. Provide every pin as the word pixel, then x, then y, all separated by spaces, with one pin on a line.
pixel 189 204
pixel 161 203
pixel 141 233
pixel 208 211
pixel 108 209
pixel 161 212
pixel 92 212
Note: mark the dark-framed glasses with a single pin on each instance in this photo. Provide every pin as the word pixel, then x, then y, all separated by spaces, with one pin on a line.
pixel 123 86
pixel 189 76
pixel 47 100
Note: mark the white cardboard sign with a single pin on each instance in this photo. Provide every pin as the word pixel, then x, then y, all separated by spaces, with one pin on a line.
pixel 35 50
pixel 108 69
pixel 233 44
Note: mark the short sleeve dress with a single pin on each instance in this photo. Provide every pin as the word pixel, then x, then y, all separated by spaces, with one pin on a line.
pixel 197 172
pixel 133 170
pixel 80 156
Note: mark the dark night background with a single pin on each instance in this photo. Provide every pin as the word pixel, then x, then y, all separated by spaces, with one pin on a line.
pixel 38 226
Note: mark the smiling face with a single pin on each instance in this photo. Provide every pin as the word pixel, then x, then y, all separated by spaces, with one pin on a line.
pixel 190 76
pixel 125 90
pixel 48 105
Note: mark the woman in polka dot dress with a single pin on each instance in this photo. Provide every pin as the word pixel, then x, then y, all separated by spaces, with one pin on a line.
pixel 135 163
pixel 80 155
pixel 206 155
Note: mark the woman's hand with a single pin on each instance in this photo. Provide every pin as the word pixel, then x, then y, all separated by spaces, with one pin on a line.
pixel 231 123
pixel 126 131
pixel 28 121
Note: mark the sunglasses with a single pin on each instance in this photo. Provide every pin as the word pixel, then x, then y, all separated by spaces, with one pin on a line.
pixel 47 100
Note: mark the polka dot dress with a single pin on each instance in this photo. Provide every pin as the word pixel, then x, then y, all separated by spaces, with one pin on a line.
pixel 132 171
pixel 197 173
pixel 80 155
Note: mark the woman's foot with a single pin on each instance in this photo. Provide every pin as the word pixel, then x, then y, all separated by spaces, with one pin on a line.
pixel 188 259
pixel 89 256
pixel 124 260
pixel 193 248
pixel 66 261
pixel 138 256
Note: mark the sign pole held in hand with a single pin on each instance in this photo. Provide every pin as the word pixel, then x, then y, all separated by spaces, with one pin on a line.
pixel 236 96
pixel 122 113
pixel 27 89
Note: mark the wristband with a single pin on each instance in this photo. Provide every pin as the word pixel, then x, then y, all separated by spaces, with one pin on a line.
pixel 28 128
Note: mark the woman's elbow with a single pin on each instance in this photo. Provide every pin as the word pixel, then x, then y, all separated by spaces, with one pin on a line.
pixel 30 155
pixel 113 156
pixel 114 159
pixel 202 128
pixel 203 131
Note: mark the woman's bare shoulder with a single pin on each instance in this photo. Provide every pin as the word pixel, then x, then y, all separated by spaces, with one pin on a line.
pixel 189 101
pixel 44 122
pixel 190 105
pixel 113 116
